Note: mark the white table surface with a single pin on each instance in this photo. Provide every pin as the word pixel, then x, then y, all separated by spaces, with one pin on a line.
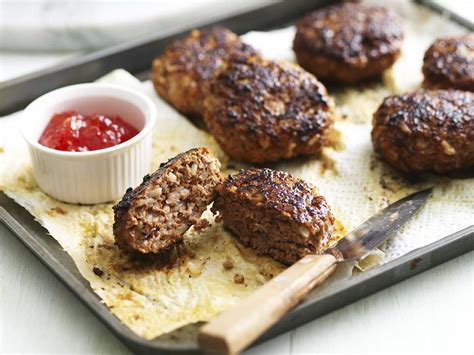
pixel 432 312
pixel 94 24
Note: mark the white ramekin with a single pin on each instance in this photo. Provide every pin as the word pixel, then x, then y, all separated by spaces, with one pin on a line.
pixel 96 176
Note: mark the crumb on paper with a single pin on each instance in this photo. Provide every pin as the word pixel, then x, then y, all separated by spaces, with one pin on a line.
pixel 193 268
pixel 201 224
pixel 97 271
pixel 228 264
pixel 239 279
pixel 328 164
pixel 57 210
pixel 219 218
pixel 336 140
pixel 260 279
pixel 383 202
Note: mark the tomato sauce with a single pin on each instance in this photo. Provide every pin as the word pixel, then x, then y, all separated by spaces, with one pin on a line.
pixel 71 131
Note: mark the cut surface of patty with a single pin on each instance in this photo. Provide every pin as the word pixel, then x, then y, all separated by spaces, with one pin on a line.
pixel 348 42
pixel 262 111
pixel 449 63
pixel 426 131
pixel 274 213
pixel 155 215
pixel 181 75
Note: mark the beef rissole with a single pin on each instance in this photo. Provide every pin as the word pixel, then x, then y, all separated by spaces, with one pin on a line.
pixel 261 111
pixel 274 213
pixel 348 42
pixel 155 215
pixel 182 74
pixel 449 63
pixel 426 131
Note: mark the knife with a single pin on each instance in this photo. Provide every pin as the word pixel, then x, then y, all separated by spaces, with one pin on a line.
pixel 236 328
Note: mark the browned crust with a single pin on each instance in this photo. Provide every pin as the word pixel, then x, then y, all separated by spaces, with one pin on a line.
pixel 426 131
pixel 329 69
pixel 449 63
pixel 348 42
pixel 130 212
pixel 261 111
pixel 182 73
pixel 274 213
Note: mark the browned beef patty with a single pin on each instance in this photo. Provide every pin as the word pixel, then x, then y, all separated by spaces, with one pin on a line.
pixel 426 131
pixel 274 213
pixel 156 214
pixel 262 111
pixel 449 63
pixel 348 42
pixel 182 73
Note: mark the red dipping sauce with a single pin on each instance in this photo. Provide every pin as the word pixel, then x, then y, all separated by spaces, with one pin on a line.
pixel 73 132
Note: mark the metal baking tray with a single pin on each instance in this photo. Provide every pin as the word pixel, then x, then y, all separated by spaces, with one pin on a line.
pixel 136 57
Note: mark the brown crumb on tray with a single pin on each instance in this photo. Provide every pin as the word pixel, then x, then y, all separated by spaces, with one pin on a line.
pixel 97 271
pixel 383 202
pixel 239 279
pixel 415 263
pixel 328 164
pixel 57 210
pixel 373 163
pixel 260 279
pixel 228 264
pixel 336 140
pixel 383 183
pixel 201 224
pixel 193 268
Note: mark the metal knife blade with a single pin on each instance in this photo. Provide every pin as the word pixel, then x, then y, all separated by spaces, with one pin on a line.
pixel 378 228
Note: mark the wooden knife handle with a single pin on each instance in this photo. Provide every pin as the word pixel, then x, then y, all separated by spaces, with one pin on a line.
pixel 234 329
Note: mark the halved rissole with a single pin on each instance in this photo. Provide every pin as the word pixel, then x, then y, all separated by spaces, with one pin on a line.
pixel 155 215
pixel 274 213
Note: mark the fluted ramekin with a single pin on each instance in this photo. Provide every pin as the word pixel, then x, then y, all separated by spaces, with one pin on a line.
pixel 96 176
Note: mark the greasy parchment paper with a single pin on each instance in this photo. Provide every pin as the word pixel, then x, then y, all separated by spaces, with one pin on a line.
pixel 154 297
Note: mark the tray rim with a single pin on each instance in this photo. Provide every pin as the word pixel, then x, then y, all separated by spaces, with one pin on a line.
pixel 91 300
